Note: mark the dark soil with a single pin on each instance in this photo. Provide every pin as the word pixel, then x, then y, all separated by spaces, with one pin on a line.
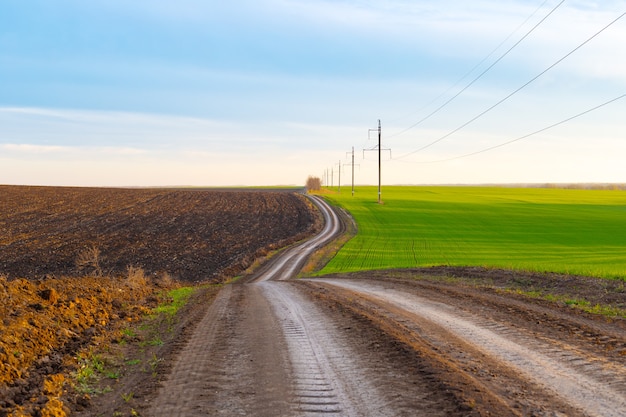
pixel 193 235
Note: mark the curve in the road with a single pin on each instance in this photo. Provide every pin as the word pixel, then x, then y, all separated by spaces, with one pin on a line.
pixel 288 264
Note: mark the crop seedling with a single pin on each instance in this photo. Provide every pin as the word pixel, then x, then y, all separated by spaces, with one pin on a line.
pixel 90 369
pixel 84 378
pixel 156 341
pixel 112 374
pixel 154 363
pixel 129 333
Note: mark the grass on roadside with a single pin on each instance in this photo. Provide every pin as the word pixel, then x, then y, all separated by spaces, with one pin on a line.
pixel 578 303
pixel 140 340
pixel 174 300
pixel 594 296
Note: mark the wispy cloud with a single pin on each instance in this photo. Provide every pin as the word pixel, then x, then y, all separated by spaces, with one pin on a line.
pixel 120 148
pixel 42 126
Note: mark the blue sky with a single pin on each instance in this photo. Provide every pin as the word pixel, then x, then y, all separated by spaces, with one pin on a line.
pixel 267 92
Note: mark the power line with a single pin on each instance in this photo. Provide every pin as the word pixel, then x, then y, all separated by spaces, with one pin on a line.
pixel 525 136
pixel 514 92
pixel 479 75
pixel 493 51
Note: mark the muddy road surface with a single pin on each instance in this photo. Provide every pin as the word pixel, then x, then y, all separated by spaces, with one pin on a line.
pixel 408 346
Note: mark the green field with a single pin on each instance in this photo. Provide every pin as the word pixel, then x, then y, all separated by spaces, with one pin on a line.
pixel 549 230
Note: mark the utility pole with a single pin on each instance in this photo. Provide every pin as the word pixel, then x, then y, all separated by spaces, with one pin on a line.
pixel 339 179
pixel 352 154
pixel 379 161
pixel 380 149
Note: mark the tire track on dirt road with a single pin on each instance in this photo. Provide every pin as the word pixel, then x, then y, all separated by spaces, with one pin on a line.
pixel 592 384
pixel 325 375
pixel 235 363
pixel 191 364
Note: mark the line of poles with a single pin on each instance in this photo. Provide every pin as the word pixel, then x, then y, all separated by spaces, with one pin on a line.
pixel 329 173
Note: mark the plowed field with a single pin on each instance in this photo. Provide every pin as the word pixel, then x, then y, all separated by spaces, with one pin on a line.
pixel 192 235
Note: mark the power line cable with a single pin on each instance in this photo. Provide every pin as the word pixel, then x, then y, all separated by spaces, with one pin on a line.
pixel 470 71
pixel 525 136
pixel 514 92
pixel 428 116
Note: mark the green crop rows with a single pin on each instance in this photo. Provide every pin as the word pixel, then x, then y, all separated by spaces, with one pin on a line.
pixel 556 230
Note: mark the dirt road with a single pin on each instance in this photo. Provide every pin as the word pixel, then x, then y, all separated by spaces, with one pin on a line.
pixel 391 347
